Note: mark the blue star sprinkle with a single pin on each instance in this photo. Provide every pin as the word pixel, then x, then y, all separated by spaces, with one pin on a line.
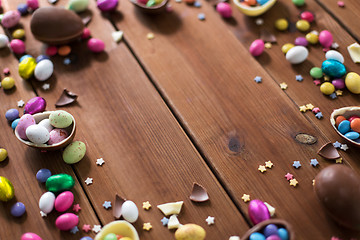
pixel 67 61
pixel 107 204
pixel 201 16
pixel 314 162
pixel 297 164
pixel 299 78
pixel 333 95
pixel 74 230
pixel 319 115
pixel 197 4
pixel 164 221
pixel 258 79
pixel 337 144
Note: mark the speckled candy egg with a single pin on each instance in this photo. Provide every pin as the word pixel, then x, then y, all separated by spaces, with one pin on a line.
pixel 30 236
pixel 352 82
pixel 64 201
pixel 25 121
pixel 258 211
pixel 74 152
pixel 107 5
pixel 224 9
pixel 60 119
pixel 130 211
pixel 27 67
pixel 4 40
pixel 333 68
pixel 33 4
pixel 95 45
pixel 17 46
pixel 46 123
pixel 10 19
pixel 297 54
pixel 57 135
pixel 78 5
pixel 47 202
pixel 335 55
pixel 257 47
pixel 325 38
pixel 43 70
pixel 67 221
pixel 37 134
pixel 6 189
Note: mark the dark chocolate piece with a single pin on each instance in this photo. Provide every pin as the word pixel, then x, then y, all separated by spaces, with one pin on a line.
pixel 66 98
pixel 117 210
pixel 199 193
pixel 267 36
pixel 328 151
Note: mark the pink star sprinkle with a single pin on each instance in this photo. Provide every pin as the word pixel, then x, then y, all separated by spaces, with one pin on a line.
pixel 317 82
pixel 86 228
pixel 340 3
pixel 289 176
pixel 76 208
pixel 316 110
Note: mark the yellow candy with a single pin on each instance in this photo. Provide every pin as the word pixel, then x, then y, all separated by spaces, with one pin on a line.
pixel 190 232
pixel 125 238
pixel 27 67
pixel 312 38
pixel 327 88
pixel 3 154
pixel 352 82
pixel 286 47
pixel 302 25
pixel 8 83
pixel 18 33
pixel 6 189
pixel 281 24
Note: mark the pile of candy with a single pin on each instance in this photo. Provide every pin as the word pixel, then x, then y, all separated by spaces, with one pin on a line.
pixel 349 127
pixel 253 3
pixel 270 232
pixel 150 3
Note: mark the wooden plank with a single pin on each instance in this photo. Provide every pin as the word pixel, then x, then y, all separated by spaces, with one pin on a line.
pixel 206 76
pixel 147 155
pixel 21 167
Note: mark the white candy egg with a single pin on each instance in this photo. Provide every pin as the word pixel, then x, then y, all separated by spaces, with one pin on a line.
pixel 297 54
pixel 4 40
pixel 130 211
pixel 43 70
pixel 335 55
pixel 47 202
pixel 46 123
pixel 37 134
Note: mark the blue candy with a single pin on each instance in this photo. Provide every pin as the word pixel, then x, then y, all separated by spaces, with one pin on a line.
pixel 41 57
pixel 333 68
pixel 352 135
pixel 270 229
pixel 22 8
pixel 256 236
pixel 12 114
pixel 86 238
pixel 43 174
pixel 344 127
pixel 283 234
pixel 15 123
pixel 262 2
pixel 24 57
pixel 18 209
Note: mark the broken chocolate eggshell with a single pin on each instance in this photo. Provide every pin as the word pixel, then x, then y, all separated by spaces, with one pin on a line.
pixel 159 8
pixel 328 151
pixel 55 25
pixel 260 227
pixel 199 193
pixel 338 189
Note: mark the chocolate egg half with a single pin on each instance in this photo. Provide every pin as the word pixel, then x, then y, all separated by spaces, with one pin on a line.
pixel 338 189
pixel 54 25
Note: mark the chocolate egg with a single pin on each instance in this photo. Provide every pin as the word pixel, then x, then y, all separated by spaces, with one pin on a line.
pixel 54 25
pixel 338 189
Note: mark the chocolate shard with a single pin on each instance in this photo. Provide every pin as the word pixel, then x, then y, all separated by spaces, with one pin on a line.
pixel 66 98
pixel 267 36
pixel 328 151
pixel 199 193
pixel 117 210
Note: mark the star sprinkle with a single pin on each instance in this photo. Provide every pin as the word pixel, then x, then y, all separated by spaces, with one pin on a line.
pixel 96 228
pixel 74 230
pixel 117 36
pixel 107 204
pixel 43 214
pixel 289 176
pixel 339 92
pixel 326 78
pixel 89 181
pixel 293 182
pixel 150 36
pixel 303 108
pixel 100 161
pixel 268 45
pixel 245 197
pixel 86 228
pixel 164 221
pixel 317 82
pixel 313 182
pixel 76 208
pixel 339 160
pixel 147 226
pixel 262 168
pixel 337 144
pixel 269 164
pixel 316 110
pixel 297 164
pixel 178 1
pixel 319 115
pixel 210 220
pixel 258 79
pixel 309 106
pixel 283 86
pixel 259 21
pixel 341 4
pixel 314 162
pixel 6 71
pixel 20 103
pixel 45 86
pixel 333 95
pixel 335 45
pixel 197 4
pixel 344 147
pixel 146 205
pixel 201 16
pixel 299 78
pixel 67 61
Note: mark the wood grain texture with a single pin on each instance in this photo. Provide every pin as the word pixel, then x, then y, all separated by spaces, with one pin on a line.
pixel 122 119
pixel 21 167
pixel 206 76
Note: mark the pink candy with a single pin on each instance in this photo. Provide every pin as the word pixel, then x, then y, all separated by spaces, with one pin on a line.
pixel 30 236
pixel 257 47
pixel 57 135
pixel 96 45
pixel 67 221
pixel 86 33
pixel 10 19
pixel 17 46
pixel 25 121
pixel 308 16
pixel 224 9
pixel 64 201
pixel 325 39
pixel 51 51
pixel 107 5
pixel 258 211
pixel 35 105
pixel 33 4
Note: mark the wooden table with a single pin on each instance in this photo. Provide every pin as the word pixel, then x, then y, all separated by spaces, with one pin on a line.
pixel 183 108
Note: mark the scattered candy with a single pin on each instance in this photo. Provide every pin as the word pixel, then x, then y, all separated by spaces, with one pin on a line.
pixel 147 226
pixel 289 176
pixel 281 24
pixel 45 86
pixel 297 54
pixel 245 197
pixel 8 83
pixel 76 208
pixel 43 174
pixel 340 3
pixel 78 5
pixel 100 161
pixel 293 182
pixel 319 115
pixel 96 228
pixel 190 231
pixel 107 5
pixel 296 164
pixel 299 78
pixel 3 154
pixel 164 221
pixel 86 228
pixel 10 19
pixel 286 47
pixel 4 40
pixel 18 209
pixel 312 38
pixel 224 9
pixel 308 16
pixel 210 220
pixel 258 79
pixel 67 221
pixel 64 201
pixel 262 168
pixel 201 16
pixel 117 36
pixel 150 36
pixel 6 189
pixel 314 162
pixel 130 211
pixel 269 164
pixel 20 103
pixel 12 114
pixel 303 25
pixel 18 34
pixel 258 211
pixel 17 46
pixel 354 52
pixel 257 47
pixel 283 86
pixel 299 3
pixel 170 208
pixel 74 230
pixel 107 204
pixel 325 38
pixel 173 222
pixel 301 41
pixel 74 152
pixel 89 181
pixel 27 67
pixel 96 45
pixel 30 236
pixel 59 183
pixel 352 82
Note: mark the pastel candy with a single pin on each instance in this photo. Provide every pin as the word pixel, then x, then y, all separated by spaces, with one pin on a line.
pixel 43 70
pixel 46 202
pixel 78 5
pixel 10 19
pixel 107 5
pixel 297 54
pixel 25 121
pixel 37 134
pixel 74 152
pixel 352 82
pixel 60 119
pixel 352 135
pixel 57 135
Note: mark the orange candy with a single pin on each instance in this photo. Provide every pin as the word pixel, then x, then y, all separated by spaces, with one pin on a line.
pixel 339 119
pixel 355 125
pixel 64 50
pixel 250 2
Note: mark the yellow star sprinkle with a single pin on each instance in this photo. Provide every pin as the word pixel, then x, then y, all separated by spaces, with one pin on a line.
pixel 293 182
pixel 283 86
pixel 262 168
pixel 339 92
pixel 268 45
pixel 303 108
pixel 313 182
pixel 326 78
pixel 339 160
pixel 150 36
pixel 268 164
pixel 245 197
pixel 147 226
pixel 309 106
pixel 146 205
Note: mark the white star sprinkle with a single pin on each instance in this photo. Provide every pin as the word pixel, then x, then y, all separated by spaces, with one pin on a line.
pixel 20 103
pixel 43 214
pixel 210 220
pixel 89 181
pixel 46 86
pixel 96 228
pixel 344 147
pixel 100 161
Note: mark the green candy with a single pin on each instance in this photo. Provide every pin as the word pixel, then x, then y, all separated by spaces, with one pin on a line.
pixel 74 152
pixel 60 119
pixel 110 236
pixel 27 67
pixel 60 183
pixel 78 5
pixel 151 3
pixel 299 3
pixel 316 72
